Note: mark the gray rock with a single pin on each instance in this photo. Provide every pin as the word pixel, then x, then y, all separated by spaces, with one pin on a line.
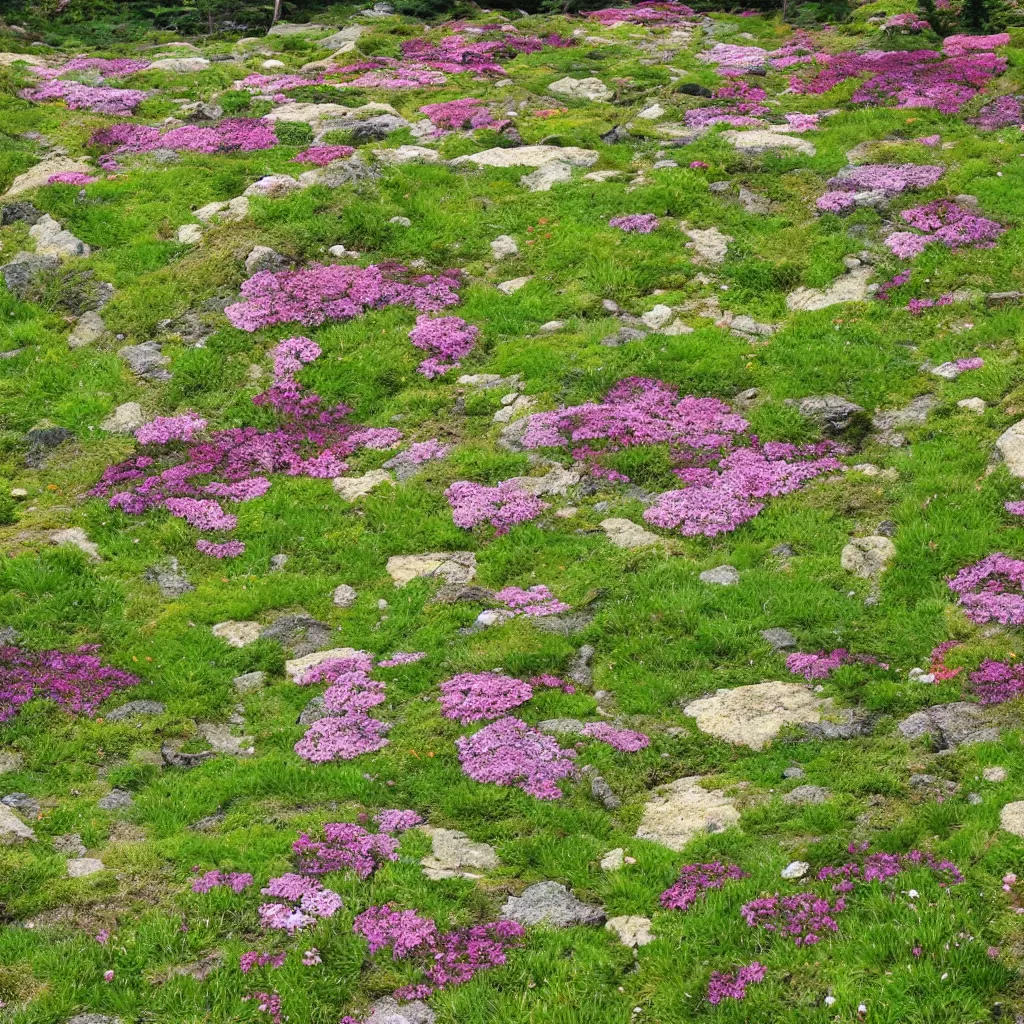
pixel 453 852
pixel 592 89
pixel 579 671
pixel 601 791
pixel 623 336
pixel 783 551
pixel 344 596
pixel 386 1011
pixel 115 800
pixel 176 759
pixel 830 412
pixel 868 557
pixel 52 240
pixel 723 575
pixel 125 419
pixel 313 711
pixel 12 828
pixel 806 795
pixel 631 929
pixel 373 129
pixel 794 870
pixel 93 1018
pixel 262 257
pixel 250 682
pixel 780 639
pixel 70 845
pixel 556 172
pixel 564 625
pixel 22 802
pixel 199 111
pixel 975 798
pixel 503 247
pixel 42 441
pixel 133 708
pixel 793 772
pixel 169 578
pixel 298 633
pixel 550 904
pixel 994 774
pixel 146 361
pixel 11 213
pixel 88 329
pixel 23 270
pixel 561 726
pixel 11 761
pixel 841 724
pixel 76 537
pixel 913 414
pixel 278 562
pixel 1010 448
pixel 82 867
pixel 950 725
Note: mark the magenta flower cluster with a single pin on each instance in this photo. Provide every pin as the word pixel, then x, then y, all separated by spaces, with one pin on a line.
pixel 346 847
pixel 959 45
pixel 992 590
pixel 509 753
pixel 503 506
pixel 402 658
pixel 647 12
pixel 946 222
pixel 322 155
pixel 448 339
pixel 627 741
pixel 695 880
pixel 446 959
pixel 395 820
pixel 824 663
pixel 238 133
pixel 78 681
pixel 635 223
pixel 116 67
pixel 475 696
pixel 236 881
pixel 1002 112
pixel 71 178
pixel 337 292
pixel 308 900
pixel 729 985
pixel 535 602
pixel 994 682
pixel 803 917
pixel 453 115
pixel 254 958
pixel 100 99
pixel 892 179
pixel 880 867
pixel 166 429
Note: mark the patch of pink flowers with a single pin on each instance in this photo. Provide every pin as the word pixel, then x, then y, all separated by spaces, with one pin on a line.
pixel 457 114
pixel 167 429
pixel 892 179
pixel 322 155
pixel 957 46
pixel 535 602
pixel 647 12
pixel 992 590
pixel 236 881
pixel 509 753
pixel 224 549
pixel 254 958
pixel 733 985
pixel 994 682
pixel 627 741
pixel 308 900
pixel 803 917
pixel 448 339
pixel 239 133
pixel 635 223
pixel 392 821
pixel 71 178
pixel 880 867
pixel 269 1004
pixel 346 847
pixel 695 880
pixel 337 292
pixel 475 696
pixel 946 222
pixel 1002 112
pixel 503 506
pixel 100 99
pixel 77 681
pixel 402 658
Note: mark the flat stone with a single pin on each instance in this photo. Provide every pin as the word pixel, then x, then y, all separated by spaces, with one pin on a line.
pixel 7 59
pixel 614 860
pixel 299 633
pixel 780 639
pixel 550 904
pixel 1010 448
pixel 223 741
pixel 592 89
pixel 295 668
pixel 657 317
pixel 995 774
pixel 93 1018
pixel 227 212
pixel 851 287
pixel 125 419
pixel 42 442
pixel 561 726
pixel 547 176
pixel 349 488
pixel 134 708
pixel 10 761
pixel 115 800
pixel 794 870
pixel 753 716
pixel 652 113
pixel 557 481
pixel 950 725
pixel 386 1011
pixel 69 845
pixel 52 240
pixel 273 186
pixel 408 155
pixel 373 129
pixel 632 930
pixel 20 273
pixel 602 792
pixel 624 533
pixel 503 247
pixel 12 828
pixel 76 537
pixel 147 361
pixel 454 567
pixel 344 596
pixel 167 575
pixel 1011 818
pixel 249 682
pixel 530 156
pixel 914 414
pixel 82 867
pixel 831 412
pixel 349 34
pixel 709 244
pixel 975 405
pixel 867 557
pixel 723 575
pixel 756 141
pixel 237 634
pixel 180 65
pixel 807 795
pixel 511 287
pixel 678 811
pixel 262 257
pixel 454 852
pixel 88 329
pixel 40 174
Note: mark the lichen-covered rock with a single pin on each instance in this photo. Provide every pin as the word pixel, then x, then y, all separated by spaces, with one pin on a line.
pixel 550 904
pixel 454 854
pixel 678 811
pixel 950 725
pixel 454 567
pixel 868 557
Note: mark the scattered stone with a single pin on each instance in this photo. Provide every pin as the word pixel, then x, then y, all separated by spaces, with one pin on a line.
pixel 546 176
pixel 180 65
pixel 780 639
pixel 223 741
pixel 832 413
pixel 198 111
pixel 76 537
pixel 297 667
pixel 115 800
pixel 134 708
pixel 12 828
pixel 168 576
pixel 603 793
pixel 756 141
pixel 950 725
pixel 783 551
pixel 350 488
pixel 794 870
pixel 125 419
pixel 632 930
pixel 753 716
pixel 300 634
pixel 503 247
pixel 677 812
pixel 278 562
pixel 807 795
pixel 262 257
pixel 551 326
pixel 511 287
pixel 82 867
pixel 314 710
pixel 1010 447
pixel 723 575
pixel 550 904
pixel 851 287
pixel 657 318
pixel 177 759
pixel 624 533
pixel 975 405
pixel 974 799
pixel 579 671
pixel 592 89
pixel 911 415
pixel 69 845
pixel 652 113
pixel 229 211
pixel 453 852
pixel 1011 818
pixel 530 156
pixel 28 805
pixel 868 557
pixel 250 682
pixel 10 761
pixel 455 567
pixel 561 726
pixel 623 336
pixel 386 1011
pixel 237 634
pixel 995 774
pixel 147 361
pixel 52 240
pixel 93 1018
pixel 88 329
pixel 24 269
pixel 344 596
pixel 375 129
pixel 42 441
pixel 710 245
pixel 13 213
pixel 614 860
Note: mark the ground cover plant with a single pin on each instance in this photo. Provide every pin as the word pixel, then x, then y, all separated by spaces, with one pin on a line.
pixel 514 518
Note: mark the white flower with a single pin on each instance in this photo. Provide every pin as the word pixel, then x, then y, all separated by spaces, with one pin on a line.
pixel 830 1000
pixel 913 894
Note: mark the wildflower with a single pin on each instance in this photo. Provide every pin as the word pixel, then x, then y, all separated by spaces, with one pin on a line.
pixel 734 986
pixel 108 976
pixel 696 879
pixel 639 223
pixel 503 506
pixel 311 957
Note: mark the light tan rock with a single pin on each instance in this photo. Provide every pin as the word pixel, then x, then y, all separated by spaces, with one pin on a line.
pixel 12 828
pixel 624 533
pixel 89 328
pixel 37 176
pixel 190 234
pixel 311 113
pixel 53 240
pixel 76 537
pixel 237 634
pixel 1010 447
pixel 680 810
pixel 7 59
pixel 867 557
pixel 220 737
pixel 631 929
pixel 1011 818
pixel 709 244
pixel 125 419
pixel 352 487
pixel 297 667
pixel 82 867
pixel 456 567
pixel 180 65
pixel 614 860
pixel 408 155
pixel 452 852
pixel 851 287
pixel 752 716
pixel 530 156
pixel 555 481
pixel 555 172
pixel 592 89
pixel 511 287
pixel 229 211
pixel 759 140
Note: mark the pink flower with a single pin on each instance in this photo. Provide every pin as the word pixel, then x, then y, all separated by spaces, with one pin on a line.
pixel 108 976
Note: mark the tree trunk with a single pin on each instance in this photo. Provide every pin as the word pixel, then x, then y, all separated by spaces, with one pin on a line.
pixel 277 13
